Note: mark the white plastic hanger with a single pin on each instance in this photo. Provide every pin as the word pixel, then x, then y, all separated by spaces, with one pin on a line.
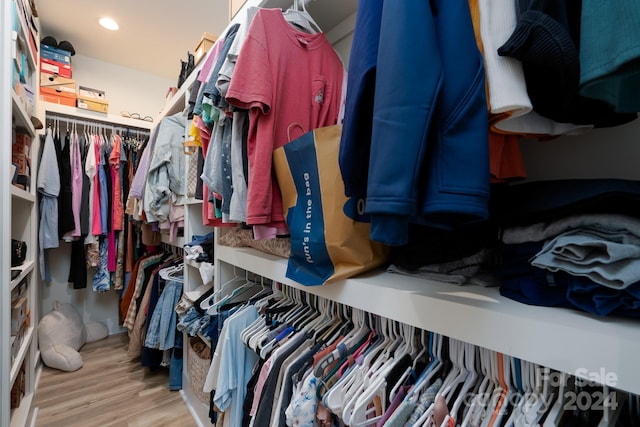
pixel 169 273
pixel 298 16
pixel 377 385
pixel 210 300
pixel 472 378
pixel 610 415
pixel 556 411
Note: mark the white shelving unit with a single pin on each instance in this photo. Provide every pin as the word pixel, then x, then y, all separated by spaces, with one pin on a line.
pixel 18 216
pixel 561 339
pixel 81 113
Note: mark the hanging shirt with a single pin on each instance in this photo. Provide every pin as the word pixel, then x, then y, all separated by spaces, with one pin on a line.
pixel 96 224
pixel 66 223
pixel 104 188
pixel 278 63
pixel 116 201
pixel 76 183
pixel 48 185
pixel 236 363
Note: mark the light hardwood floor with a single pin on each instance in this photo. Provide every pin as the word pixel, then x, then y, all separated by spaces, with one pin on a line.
pixel 109 390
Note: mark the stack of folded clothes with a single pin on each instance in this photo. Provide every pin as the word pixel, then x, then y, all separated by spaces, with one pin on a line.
pixel 572 243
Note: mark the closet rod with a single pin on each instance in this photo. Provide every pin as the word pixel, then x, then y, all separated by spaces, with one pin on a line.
pixel 67 118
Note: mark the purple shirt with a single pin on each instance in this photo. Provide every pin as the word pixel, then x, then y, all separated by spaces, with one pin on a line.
pixel 140 178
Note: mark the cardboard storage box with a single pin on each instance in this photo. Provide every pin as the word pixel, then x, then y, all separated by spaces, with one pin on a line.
pixel 92 104
pixel 22 163
pixel 18 389
pixel 55 54
pixel 203 46
pixel 22 145
pixel 50 94
pixel 89 93
pixel 54 67
pixel 61 84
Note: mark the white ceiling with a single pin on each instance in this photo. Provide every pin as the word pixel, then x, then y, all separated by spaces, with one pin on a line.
pixel 153 36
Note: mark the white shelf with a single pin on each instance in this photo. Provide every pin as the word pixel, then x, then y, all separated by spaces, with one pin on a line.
pixel 20 114
pixel 178 242
pixel 20 415
pixel 20 194
pixel 192 263
pixel 22 353
pixel 557 338
pixel 24 36
pixel 110 119
pixel 25 268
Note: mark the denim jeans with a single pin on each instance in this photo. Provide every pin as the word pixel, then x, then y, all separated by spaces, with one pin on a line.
pixel 161 333
pixel 175 367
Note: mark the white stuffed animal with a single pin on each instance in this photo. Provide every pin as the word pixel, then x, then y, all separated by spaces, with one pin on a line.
pixel 61 333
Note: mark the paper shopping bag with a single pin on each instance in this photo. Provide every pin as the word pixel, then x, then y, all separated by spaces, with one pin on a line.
pixel 329 232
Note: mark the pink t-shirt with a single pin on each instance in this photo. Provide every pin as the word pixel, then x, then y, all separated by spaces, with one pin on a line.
pixel 284 77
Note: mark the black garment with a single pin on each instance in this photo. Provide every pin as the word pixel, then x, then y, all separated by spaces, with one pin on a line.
pixel 199 195
pixel 78 267
pixel 245 150
pixel 147 272
pixel 248 398
pixel 547 42
pixel 427 246
pixel 396 373
pixel 193 97
pixel 65 208
pixel 152 356
pixel 551 200
pixel 86 183
pixel 269 392
pixel 107 171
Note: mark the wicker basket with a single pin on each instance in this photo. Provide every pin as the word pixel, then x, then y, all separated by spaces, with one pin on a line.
pixel 198 370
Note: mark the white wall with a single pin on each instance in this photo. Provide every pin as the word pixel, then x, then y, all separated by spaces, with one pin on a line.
pixel 126 90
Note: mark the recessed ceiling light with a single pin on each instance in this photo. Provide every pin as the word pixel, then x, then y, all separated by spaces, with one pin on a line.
pixel 109 24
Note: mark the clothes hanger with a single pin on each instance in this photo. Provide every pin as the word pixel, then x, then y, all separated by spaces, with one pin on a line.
pixel 507 390
pixel 360 415
pixel 298 16
pixel 174 273
pixel 214 309
pixel 209 301
pixel 478 404
pixel 610 415
pixel 554 414
pixel 497 389
pixel 433 368
pixel 472 377
pixel 518 411
pixel 416 356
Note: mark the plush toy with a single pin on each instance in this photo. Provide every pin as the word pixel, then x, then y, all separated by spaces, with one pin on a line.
pixel 61 333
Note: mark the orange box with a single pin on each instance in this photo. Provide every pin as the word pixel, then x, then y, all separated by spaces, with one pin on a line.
pixel 57 97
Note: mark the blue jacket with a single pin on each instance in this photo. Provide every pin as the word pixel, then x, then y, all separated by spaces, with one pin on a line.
pixel 429 159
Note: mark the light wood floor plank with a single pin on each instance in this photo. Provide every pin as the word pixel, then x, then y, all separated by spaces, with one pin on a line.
pixel 110 390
